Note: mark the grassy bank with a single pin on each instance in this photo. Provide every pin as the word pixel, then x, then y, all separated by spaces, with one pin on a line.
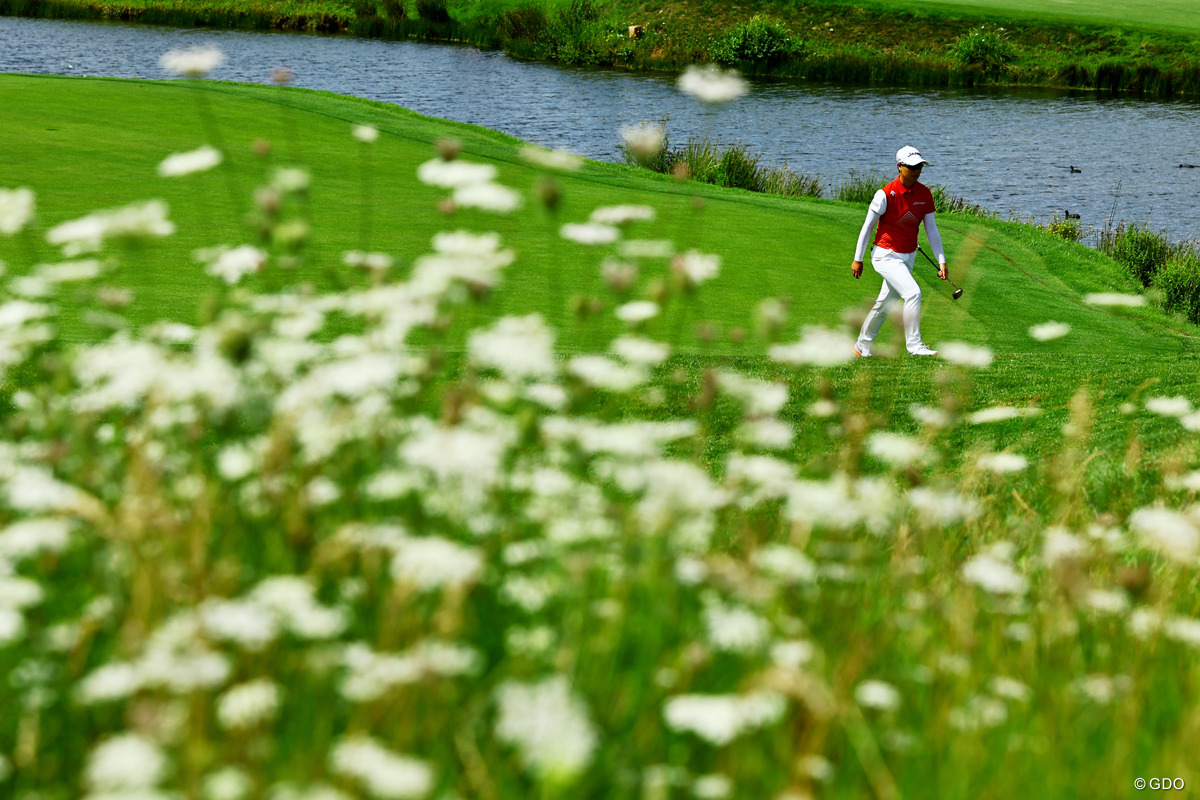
pixel 510 515
pixel 1136 46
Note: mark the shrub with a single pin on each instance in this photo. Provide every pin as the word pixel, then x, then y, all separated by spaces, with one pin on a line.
pixel 738 169
pixel 573 35
pixel 526 22
pixel 365 9
pixel 1069 229
pixel 860 187
pixel 759 42
pixel 984 48
pixel 783 181
pixel 1178 284
pixel 433 11
pixel 1143 252
pixel 394 9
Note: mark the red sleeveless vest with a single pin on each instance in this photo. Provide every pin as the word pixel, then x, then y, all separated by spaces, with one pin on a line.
pixel 906 208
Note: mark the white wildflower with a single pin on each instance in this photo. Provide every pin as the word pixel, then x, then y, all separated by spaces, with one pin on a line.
pixel 816 767
pixel 1169 406
pixel 644 140
pixel 760 398
pixel 1000 414
pixel 696 267
pixel 638 311
pixel 792 654
pixel 690 571
pixel 518 347
pixel 712 787
pixel 125 763
pixel 290 180
pixel 942 507
pixel 930 416
pixel 198 160
pixel 877 695
pixel 12 626
pixel 1060 545
pixel 31 537
pixel 245 623
pixel 602 372
pixel 896 449
pixel 430 562
pixel 88 234
pixel 620 215
pixel 1049 330
pixel 589 233
pixel 735 629
pixel 768 433
pixel 1183 629
pixel 194 62
pixel 248 704
pixel 720 718
pixel 712 85
pixel 365 133
pixel 978 713
pixel 376 262
pixel 1002 463
pixel 1107 601
pixel 764 477
pixel 1167 531
pixel 785 563
pixel 16 209
pixel 1010 689
pixel 818 346
pixel 487 197
pixel 640 350
pixel 823 408
pixel 226 783
pixel 965 355
pixel 555 160
pixel 1115 299
pixel 1189 481
pixel 233 265
pixel 454 174
pixel 382 773
pixel 995 576
pixel 549 726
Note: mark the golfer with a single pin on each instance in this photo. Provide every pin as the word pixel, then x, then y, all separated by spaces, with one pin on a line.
pixel 899 209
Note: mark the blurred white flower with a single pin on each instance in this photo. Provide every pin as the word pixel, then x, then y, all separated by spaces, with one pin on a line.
pixel 1188 481
pixel 1049 330
pixel 16 209
pixel 247 624
pixel 638 311
pixel 1060 545
pixel 768 433
pixel 1010 689
pixel 555 160
pixel 31 537
pixel 376 262
pixel 1000 414
pixel 644 140
pixel 88 234
pixel 549 726
pixel 640 350
pixel 942 507
pixel 994 575
pixel 696 267
pixel 518 347
pixel 930 416
pixel 382 773
pixel 605 373
pixel 792 654
pixel 248 704
pixel 712 85
pixel 817 347
pixel 12 626
pixel 198 160
pixel 758 479
pixel 896 449
pixel 735 629
pixel 1114 299
pixel 290 180
pixel 226 783
pixel 1002 463
pixel 760 398
pixel 431 562
pixel 720 718
pixel 124 763
pixel 1107 601
pixel 365 133
pixel 1168 531
pixel 589 233
pixel 231 265
pixel 978 713
pixel 454 174
pixel 194 62
pixel 1178 406
pixel 487 197
pixel 619 215
pixel 785 563
pixel 877 695
pixel 712 787
pixel 965 355
pixel 823 408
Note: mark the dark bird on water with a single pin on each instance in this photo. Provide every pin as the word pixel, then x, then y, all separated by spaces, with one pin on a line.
pixel 1187 166
pixel 1073 169
pixel 1067 213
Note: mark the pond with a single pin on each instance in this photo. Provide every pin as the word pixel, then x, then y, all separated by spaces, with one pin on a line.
pixel 1010 151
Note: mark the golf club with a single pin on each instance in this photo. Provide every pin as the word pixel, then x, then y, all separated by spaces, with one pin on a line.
pixel 957 291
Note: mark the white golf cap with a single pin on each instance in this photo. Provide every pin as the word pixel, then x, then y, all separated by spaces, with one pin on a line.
pixel 910 156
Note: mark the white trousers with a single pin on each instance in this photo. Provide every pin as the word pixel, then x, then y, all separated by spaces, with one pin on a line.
pixel 898 286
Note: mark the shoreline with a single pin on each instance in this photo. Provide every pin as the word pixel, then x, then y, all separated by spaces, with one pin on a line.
pixel 852 45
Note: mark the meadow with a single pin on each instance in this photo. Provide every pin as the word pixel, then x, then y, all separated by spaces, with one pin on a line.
pixel 387 457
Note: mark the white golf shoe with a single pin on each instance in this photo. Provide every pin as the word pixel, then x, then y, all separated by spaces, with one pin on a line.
pixel 924 350
pixel 863 352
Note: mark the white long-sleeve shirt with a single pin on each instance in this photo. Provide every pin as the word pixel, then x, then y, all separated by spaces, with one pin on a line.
pixel 875 211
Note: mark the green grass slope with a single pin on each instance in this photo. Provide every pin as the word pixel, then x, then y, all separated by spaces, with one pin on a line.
pixel 225 564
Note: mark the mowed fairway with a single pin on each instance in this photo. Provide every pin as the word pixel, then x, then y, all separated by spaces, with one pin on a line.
pixel 1169 15
pixel 375 535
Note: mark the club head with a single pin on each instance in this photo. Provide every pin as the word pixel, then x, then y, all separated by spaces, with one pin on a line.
pixel 957 294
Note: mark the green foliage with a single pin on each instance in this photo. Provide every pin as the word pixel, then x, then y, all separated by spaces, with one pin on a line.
pixel 1178 285
pixel 761 42
pixel 984 48
pixel 1069 229
pixel 1141 251
pixel 860 187
pixel 433 11
pixel 573 34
